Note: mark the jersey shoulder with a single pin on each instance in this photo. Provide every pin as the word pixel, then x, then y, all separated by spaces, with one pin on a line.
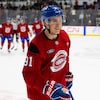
pixel 36 43
pixel 4 23
pixel 64 35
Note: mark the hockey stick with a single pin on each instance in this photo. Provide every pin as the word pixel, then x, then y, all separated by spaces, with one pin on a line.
pixel 71 95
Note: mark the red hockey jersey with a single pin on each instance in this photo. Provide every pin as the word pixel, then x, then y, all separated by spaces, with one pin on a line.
pixel 7 29
pixel 23 29
pixel 37 26
pixel 46 60
pixel 0 30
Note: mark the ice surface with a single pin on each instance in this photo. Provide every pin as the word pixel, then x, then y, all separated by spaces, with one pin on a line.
pixel 84 63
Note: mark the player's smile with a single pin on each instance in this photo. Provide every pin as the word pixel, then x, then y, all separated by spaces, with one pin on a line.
pixel 57 29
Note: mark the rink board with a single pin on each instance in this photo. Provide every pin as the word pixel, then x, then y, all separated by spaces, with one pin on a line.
pixel 82 30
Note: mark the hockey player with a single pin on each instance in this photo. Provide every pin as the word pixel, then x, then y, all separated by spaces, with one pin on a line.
pixel 23 31
pixel 15 24
pixel 7 32
pixel 37 26
pixel 46 70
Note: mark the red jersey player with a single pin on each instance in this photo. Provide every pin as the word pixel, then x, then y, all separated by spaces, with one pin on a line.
pixel 37 26
pixel 23 31
pixel 46 70
pixel 7 32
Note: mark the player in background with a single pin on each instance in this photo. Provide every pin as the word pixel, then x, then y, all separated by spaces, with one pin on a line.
pixel 15 24
pixel 37 26
pixel 23 31
pixel 7 32
pixel 46 70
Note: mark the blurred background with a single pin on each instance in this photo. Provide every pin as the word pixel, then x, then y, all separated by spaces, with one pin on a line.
pixel 76 12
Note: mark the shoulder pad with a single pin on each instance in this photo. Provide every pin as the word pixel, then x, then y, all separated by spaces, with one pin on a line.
pixel 33 48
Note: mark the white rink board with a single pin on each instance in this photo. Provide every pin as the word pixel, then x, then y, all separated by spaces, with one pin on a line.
pixel 74 30
pixel 92 30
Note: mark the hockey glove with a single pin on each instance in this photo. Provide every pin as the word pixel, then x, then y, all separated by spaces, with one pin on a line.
pixel 69 80
pixel 55 91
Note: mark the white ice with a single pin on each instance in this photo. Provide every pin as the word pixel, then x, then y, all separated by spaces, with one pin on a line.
pixel 84 63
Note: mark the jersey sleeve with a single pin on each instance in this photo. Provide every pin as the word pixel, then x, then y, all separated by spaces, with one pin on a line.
pixel 12 31
pixel 0 30
pixel 27 28
pixel 33 28
pixel 31 69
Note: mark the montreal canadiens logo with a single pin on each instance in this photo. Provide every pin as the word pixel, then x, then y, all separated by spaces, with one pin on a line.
pixel 23 29
pixel 7 30
pixel 59 61
pixel 38 26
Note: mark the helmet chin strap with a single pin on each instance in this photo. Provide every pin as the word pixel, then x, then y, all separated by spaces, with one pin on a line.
pixel 48 30
pixel 50 34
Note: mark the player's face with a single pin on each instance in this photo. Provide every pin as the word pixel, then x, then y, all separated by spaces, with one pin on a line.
pixel 55 24
pixel 22 21
pixel 8 21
